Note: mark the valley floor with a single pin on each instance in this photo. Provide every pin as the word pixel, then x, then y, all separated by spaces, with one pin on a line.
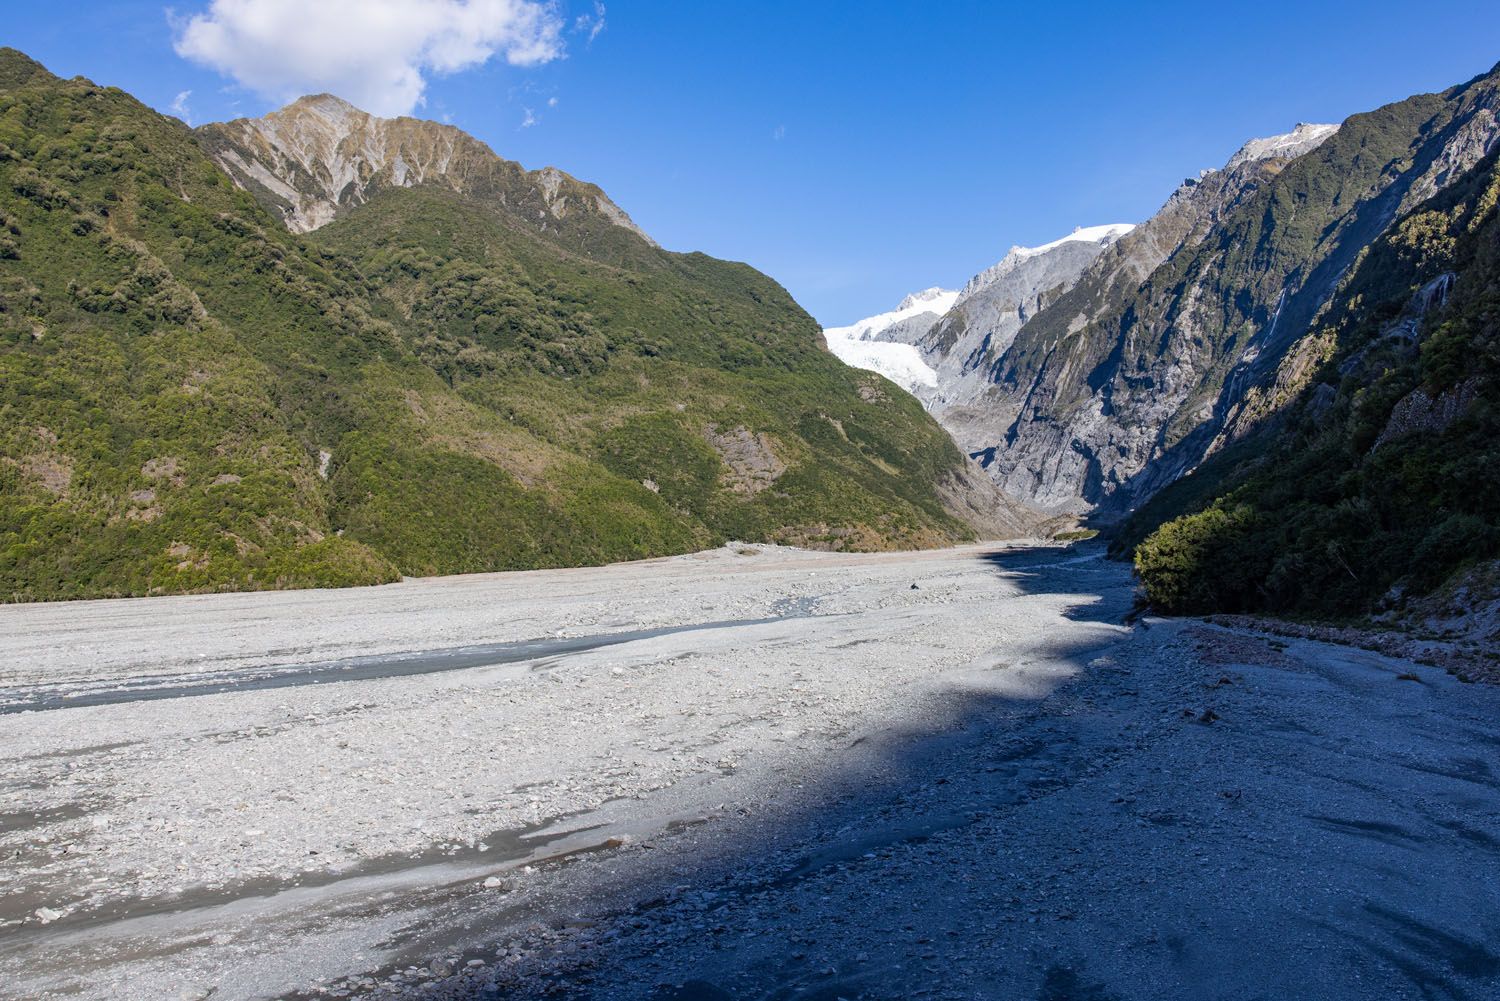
pixel 751 773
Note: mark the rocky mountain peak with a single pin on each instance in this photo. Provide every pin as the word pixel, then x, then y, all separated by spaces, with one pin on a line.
pixel 328 105
pixel 321 155
pixel 935 298
pixel 1098 236
pixel 1288 146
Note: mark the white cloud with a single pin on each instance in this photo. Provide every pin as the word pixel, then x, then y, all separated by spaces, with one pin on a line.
pixel 180 106
pixel 374 53
pixel 530 119
pixel 551 102
pixel 778 133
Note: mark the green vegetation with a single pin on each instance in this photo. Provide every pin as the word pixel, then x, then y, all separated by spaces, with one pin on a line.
pixel 1381 472
pixel 174 365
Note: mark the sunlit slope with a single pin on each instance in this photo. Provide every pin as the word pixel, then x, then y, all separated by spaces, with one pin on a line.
pixel 194 398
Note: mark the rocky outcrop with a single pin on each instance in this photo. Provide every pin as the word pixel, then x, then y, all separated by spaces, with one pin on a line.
pixel 750 460
pixel 1419 413
pixel 1471 143
pixel 321 156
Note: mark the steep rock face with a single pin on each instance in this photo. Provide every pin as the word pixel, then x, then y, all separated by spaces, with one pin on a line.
pixel 989 312
pixel 321 156
pixel 1353 478
pixel 1125 382
pixel 1016 427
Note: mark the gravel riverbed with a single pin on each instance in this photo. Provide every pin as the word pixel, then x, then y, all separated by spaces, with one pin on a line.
pixel 747 773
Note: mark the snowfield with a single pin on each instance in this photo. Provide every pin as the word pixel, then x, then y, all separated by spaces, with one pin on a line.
pixel 859 344
pixel 900 363
pixel 1083 234
pixel 747 773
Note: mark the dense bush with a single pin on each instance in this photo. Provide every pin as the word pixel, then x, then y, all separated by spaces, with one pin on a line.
pixel 1204 562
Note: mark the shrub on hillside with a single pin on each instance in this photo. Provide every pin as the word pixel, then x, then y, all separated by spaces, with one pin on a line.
pixel 1209 561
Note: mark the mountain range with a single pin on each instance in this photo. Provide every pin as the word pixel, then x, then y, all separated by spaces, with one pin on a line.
pixel 322 348
pixel 1286 305
pixel 1091 385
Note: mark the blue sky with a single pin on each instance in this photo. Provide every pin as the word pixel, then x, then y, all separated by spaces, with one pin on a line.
pixel 854 152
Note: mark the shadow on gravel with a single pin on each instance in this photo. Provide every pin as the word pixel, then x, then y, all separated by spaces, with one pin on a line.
pixel 1072 571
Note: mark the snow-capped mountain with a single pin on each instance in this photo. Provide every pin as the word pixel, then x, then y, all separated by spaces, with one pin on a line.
pixel 1102 235
pixel 1287 146
pixel 998 301
pixel 1088 373
pixel 938 344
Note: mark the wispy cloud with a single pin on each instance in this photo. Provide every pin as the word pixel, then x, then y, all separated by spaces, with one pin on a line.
pixel 375 53
pixel 590 24
pixel 180 106
pixel 529 119
pixel 778 133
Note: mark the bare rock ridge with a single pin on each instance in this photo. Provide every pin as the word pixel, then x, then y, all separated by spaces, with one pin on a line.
pixel 1288 146
pixel 998 302
pixel 320 155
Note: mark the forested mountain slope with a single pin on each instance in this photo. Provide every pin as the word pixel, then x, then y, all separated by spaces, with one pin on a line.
pixel 1363 470
pixel 194 398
